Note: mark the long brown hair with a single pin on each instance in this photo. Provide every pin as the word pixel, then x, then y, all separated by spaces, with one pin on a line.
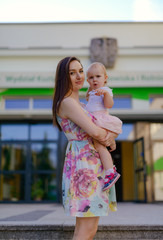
pixel 62 85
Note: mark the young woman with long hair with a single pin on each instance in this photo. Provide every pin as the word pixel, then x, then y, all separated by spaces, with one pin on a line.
pixel 83 173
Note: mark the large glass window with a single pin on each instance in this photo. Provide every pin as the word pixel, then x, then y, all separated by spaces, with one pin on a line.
pixel 14 132
pixel 29 162
pixel 44 132
pixel 12 187
pixel 13 157
pixel 44 156
pixel 43 187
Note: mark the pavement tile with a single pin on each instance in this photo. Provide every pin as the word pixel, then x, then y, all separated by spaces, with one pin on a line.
pixel 53 214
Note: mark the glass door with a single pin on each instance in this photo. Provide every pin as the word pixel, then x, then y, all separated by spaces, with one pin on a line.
pixel 140 171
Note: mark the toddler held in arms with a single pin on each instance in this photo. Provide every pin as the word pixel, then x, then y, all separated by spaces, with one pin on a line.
pixel 100 99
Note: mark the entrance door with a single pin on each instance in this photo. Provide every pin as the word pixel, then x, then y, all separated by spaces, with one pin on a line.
pixel 140 171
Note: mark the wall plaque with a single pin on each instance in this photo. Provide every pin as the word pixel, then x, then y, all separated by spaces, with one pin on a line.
pixel 104 50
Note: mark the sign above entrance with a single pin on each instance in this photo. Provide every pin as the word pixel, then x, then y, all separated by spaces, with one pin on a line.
pixel 46 80
pixel 26 80
pixel 135 79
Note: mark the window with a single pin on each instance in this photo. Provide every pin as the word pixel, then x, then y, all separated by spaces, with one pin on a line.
pixel 12 187
pixel 13 157
pixel 14 132
pixel 44 132
pixel 16 103
pixel 42 103
pixel 122 102
pixel 27 103
pixel 44 156
pixel 44 187
pixel 29 162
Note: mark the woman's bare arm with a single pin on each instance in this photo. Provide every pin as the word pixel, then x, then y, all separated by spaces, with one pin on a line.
pixel 71 109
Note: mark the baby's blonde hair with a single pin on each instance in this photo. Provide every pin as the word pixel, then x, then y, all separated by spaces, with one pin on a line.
pixel 97 64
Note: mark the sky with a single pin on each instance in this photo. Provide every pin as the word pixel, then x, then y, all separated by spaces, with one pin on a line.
pixel 80 10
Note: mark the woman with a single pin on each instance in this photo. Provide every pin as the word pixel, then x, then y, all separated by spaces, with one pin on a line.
pixel 82 173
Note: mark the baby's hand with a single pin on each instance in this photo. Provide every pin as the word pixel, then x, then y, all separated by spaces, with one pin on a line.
pixel 100 92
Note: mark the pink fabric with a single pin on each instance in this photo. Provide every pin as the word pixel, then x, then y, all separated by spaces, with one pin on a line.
pixel 105 120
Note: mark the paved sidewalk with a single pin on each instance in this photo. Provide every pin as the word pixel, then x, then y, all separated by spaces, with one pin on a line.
pixel 53 214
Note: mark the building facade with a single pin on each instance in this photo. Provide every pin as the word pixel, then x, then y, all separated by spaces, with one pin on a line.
pixel 32 150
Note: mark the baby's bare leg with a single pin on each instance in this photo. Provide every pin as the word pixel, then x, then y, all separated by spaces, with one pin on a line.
pixel 111 176
pixel 105 155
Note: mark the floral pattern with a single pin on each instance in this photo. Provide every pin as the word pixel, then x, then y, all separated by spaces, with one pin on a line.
pixel 84 183
pixel 83 176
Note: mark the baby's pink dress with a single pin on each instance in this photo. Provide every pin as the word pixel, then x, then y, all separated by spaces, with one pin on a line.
pixel 103 119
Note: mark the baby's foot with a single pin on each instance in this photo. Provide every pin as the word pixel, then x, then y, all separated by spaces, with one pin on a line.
pixel 110 180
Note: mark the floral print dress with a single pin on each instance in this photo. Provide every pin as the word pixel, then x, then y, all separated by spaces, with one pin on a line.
pixel 83 176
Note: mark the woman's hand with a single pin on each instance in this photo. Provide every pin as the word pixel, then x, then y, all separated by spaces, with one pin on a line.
pixel 109 141
pixel 112 146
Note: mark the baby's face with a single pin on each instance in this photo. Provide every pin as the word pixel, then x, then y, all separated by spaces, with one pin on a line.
pixel 96 77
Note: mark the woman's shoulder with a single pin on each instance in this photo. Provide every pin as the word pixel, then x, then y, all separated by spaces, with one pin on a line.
pixel 68 104
pixel 64 105
pixel 67 101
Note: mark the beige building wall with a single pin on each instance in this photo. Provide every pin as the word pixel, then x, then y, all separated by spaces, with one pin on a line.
pixel 39 47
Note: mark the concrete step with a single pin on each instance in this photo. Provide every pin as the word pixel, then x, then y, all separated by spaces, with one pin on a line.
pixel 65 232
